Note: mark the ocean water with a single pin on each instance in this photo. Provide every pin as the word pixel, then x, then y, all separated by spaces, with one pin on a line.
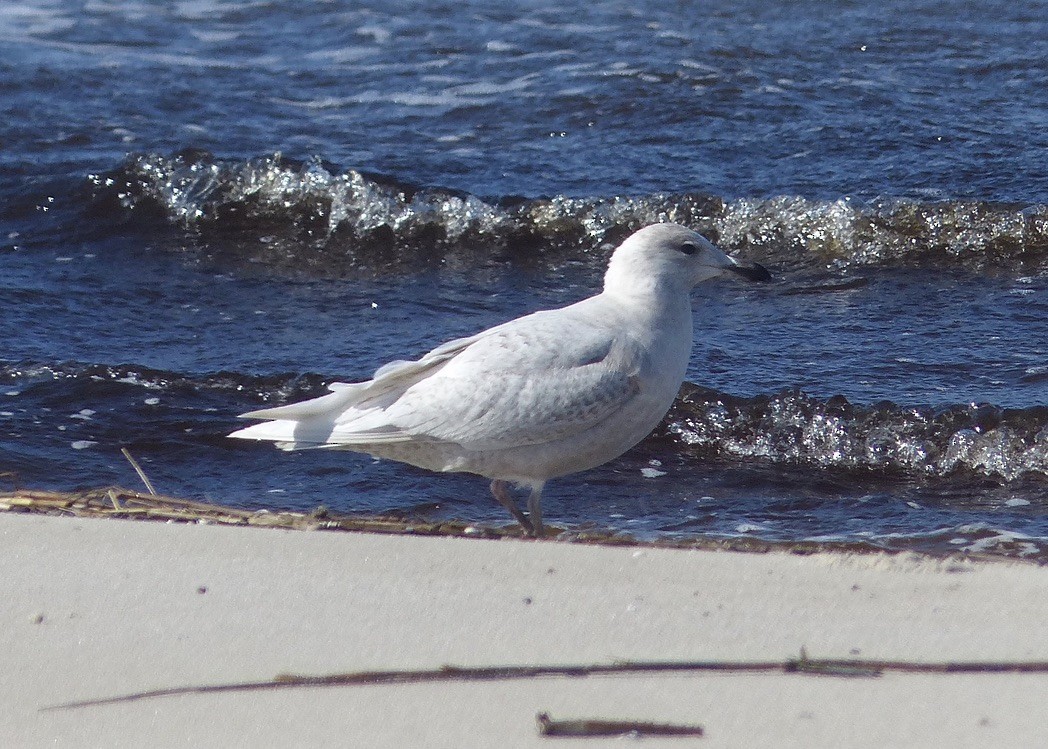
pixel 211 206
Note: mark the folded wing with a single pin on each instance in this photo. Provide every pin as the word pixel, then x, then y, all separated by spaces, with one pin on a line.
pixel 503 388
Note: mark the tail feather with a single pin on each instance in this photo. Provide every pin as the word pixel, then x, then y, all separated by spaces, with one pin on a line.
pixel 325 406
pixel 321 422
pixel 281 431
pixel 352 413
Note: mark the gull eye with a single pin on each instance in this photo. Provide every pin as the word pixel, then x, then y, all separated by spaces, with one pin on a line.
pixel 689 248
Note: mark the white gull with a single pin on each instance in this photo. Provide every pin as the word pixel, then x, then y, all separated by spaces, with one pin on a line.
pixel 542 396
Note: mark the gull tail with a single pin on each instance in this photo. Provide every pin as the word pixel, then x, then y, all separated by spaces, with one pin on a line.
pixel 352 414
pixel 300 425
pixel 333 403
pixel 282 432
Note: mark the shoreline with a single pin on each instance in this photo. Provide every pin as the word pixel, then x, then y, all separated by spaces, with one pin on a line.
pixel 128 504
pixel 99 609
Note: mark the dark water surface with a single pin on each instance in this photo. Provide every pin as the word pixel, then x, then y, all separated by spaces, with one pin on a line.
pixel 209 206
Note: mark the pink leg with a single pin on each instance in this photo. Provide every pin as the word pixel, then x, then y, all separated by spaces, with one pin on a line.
pixel 535 511
pixel 500 490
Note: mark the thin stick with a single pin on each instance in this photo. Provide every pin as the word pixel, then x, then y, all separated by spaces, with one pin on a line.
pixel 803 665
pixel 138 469
pixel 605 728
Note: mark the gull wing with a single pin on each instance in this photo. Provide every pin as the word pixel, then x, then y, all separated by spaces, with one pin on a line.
pixel 502 388
pixel 508 387
pixel 394 377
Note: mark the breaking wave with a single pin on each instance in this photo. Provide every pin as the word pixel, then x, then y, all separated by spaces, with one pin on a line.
pixel 276 211
pixel 797 429
pixel 789 428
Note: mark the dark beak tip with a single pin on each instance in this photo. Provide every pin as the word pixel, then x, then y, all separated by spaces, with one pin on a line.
pixel 753 272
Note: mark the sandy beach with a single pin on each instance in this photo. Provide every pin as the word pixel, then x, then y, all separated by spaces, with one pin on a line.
pixel 98 608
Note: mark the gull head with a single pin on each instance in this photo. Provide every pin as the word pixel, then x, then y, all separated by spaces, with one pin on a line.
pixel 670 257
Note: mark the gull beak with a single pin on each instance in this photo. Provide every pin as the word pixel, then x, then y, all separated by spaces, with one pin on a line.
pixel 751 272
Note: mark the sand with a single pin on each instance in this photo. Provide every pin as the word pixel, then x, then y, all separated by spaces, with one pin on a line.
pixel 96 608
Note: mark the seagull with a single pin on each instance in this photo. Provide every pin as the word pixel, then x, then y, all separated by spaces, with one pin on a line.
pixel 546 395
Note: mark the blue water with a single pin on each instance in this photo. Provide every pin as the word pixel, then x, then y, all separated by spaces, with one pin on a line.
pixel 208 206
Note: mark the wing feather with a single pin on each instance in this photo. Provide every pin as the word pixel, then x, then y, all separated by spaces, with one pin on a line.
pixel 502 388
pixel 509 388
